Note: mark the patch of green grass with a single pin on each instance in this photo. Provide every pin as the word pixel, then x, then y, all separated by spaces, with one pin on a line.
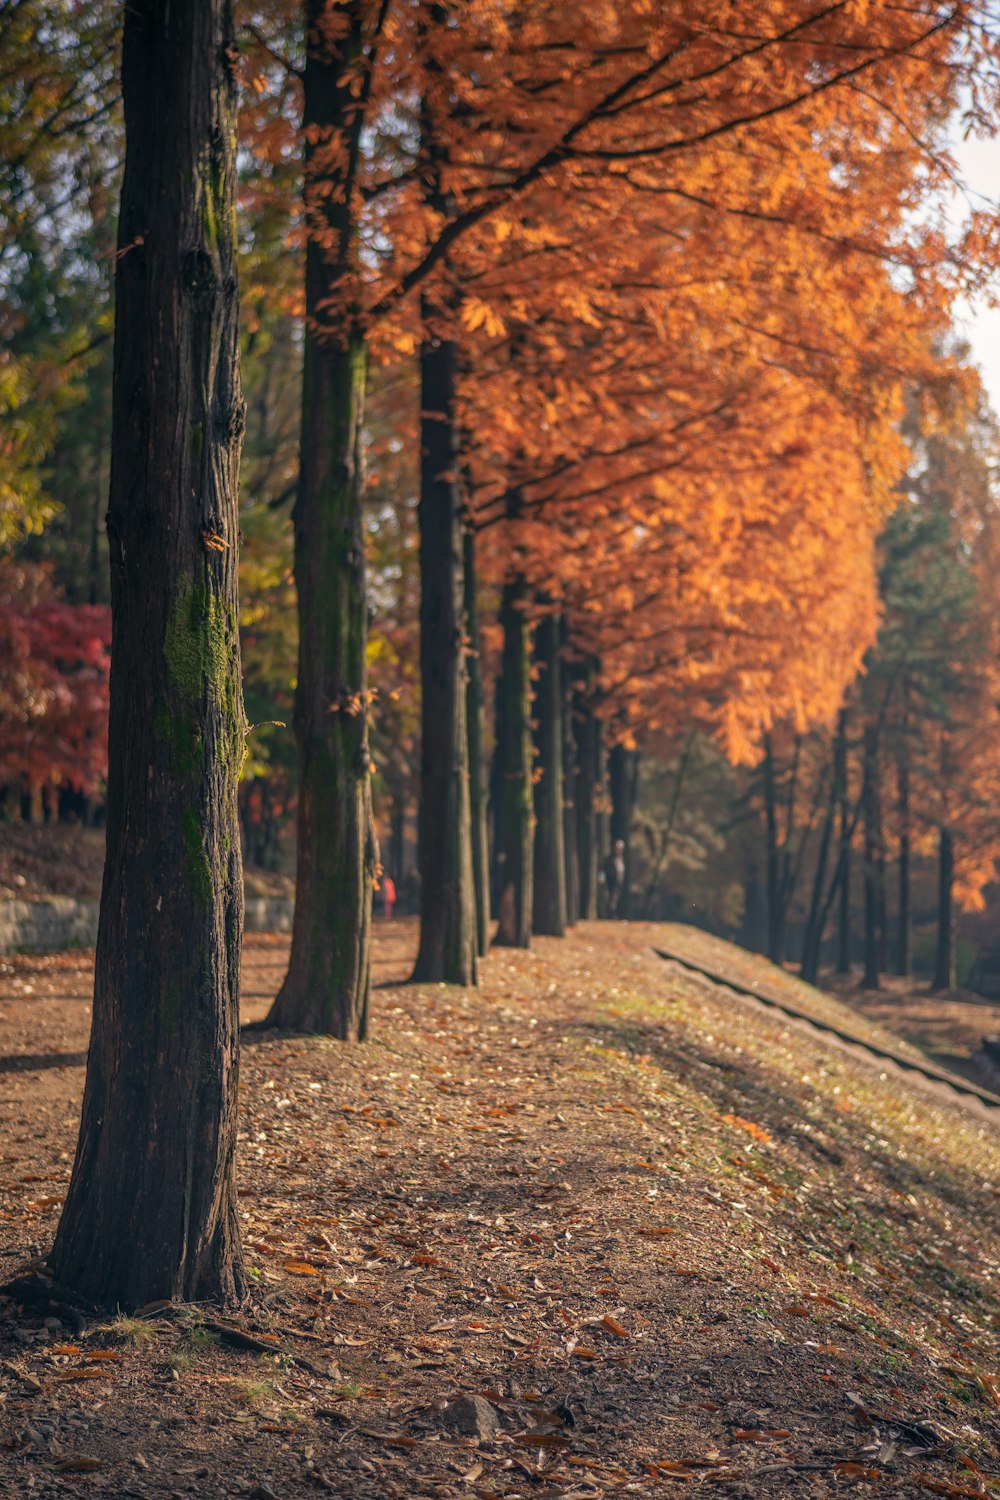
pixel 257 1392
pixel 128 1330
pixel 348 1390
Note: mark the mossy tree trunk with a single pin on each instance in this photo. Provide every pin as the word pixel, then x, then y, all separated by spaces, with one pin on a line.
pixel 448 935
pixel 327 985
pixel 549 878
pixel 475 703
pixel 151 1207
pixel 513 801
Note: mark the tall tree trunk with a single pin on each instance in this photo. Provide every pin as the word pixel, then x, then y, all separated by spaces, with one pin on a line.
pixel 151 1207
pixel 903 872
pixel 570 845
pixel 514 817
pixel 448 935
pixel 775 901
pixel 944 961
pixel 549 885
pixel 475 703
pixel 754 908
pixel 812 945
pixel 328 982
pixel 843 882
pixel 623 776
pixel 661 862
pixel 870 805
pixel 587 733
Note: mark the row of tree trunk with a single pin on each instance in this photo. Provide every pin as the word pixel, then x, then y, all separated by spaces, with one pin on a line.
pixel 830 890
pixel 151 1208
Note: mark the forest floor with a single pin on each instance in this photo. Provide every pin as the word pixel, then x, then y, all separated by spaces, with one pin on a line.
pixel 598 1228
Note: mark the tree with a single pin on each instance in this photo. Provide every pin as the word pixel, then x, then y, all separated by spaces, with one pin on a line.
pixel 151 1206
pixel 329 973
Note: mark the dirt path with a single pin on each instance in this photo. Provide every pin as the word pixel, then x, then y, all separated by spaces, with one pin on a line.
pixel 662 1239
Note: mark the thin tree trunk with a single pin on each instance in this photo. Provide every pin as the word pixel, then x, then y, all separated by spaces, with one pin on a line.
pixel 151 1207
pixel 668 831
pixel 812 946
pixel 870 804
pixel 775 903
pixel 587 733
pixel 549 883
pixel 570 846
pixel 328 982
pixel 754 914
pixel 843 884
pixel 944 961
pixel 448 923
pixel 514 817
pixel 476 714
pixel 903 872
pixel 623 775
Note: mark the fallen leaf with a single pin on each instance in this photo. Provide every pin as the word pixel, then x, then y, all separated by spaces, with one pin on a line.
pixel 300 1268
pixel 757 1131
pixel 669 1469
pixel 945 1487
pixel 613 1326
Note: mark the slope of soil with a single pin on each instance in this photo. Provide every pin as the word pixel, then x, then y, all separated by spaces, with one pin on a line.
pixel 903 1015
pixel 668 1242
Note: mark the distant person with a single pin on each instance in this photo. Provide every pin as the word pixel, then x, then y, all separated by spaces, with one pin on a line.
pixel 614 877
pixel 388 897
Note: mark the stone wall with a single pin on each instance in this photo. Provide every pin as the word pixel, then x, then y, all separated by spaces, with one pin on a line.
pixel 58 923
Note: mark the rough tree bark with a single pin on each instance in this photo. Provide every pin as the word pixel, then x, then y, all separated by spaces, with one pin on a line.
pixel 475 707
pixel 151 1207
pixel 328 982
pixel 513 801
pixel 549 894
pixel 448 937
